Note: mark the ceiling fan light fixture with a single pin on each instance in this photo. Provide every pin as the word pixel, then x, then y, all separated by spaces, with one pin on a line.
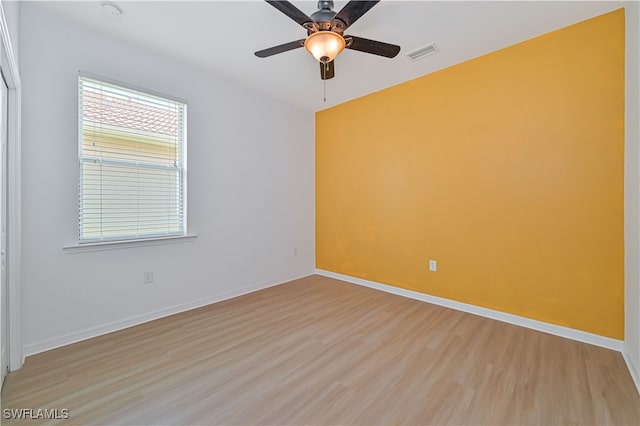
pixel 325 45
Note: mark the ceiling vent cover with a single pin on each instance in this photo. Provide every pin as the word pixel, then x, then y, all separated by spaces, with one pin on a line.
pixel 422 52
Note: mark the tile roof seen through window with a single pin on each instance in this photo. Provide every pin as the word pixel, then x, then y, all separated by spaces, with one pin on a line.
pixel 128 112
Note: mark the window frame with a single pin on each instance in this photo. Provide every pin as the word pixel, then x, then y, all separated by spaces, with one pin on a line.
pixel 129 239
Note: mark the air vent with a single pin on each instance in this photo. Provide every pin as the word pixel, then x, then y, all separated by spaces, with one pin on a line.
pixel 422 52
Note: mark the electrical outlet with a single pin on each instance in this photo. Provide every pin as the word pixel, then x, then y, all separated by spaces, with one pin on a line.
pixel 433 265
pixel 295 251
pixel 148 277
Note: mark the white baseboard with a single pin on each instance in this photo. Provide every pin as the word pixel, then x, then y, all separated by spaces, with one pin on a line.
pixel 633 369
pixel 545 327
pixel 88 333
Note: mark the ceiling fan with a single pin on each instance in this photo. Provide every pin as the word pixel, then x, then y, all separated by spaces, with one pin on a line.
pixel 325 33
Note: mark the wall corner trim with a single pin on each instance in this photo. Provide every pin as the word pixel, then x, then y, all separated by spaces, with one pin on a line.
pixel 557 330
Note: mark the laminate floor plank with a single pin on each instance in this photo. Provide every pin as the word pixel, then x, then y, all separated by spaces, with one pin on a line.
pixel 319 351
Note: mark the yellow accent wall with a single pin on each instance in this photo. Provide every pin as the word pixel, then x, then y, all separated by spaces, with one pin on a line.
pixel 506 169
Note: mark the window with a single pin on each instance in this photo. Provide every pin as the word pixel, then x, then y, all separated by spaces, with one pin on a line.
pixel 132 173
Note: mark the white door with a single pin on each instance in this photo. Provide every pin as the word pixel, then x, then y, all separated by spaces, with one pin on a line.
pixel 4 305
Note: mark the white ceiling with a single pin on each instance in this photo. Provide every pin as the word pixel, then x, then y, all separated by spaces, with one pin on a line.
pixel 221 36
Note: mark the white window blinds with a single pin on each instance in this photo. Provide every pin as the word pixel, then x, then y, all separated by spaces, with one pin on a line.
pixel 132 163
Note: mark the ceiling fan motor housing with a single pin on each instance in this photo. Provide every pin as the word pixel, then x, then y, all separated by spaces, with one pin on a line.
pixel 323 18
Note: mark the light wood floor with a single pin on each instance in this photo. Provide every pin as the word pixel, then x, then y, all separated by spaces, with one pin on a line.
pixel 321 351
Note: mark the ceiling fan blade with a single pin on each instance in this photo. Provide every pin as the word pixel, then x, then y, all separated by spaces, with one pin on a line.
pixel 291 11
pixel 353 10
pixel 372 46
pixel 327 71
pixel 279 49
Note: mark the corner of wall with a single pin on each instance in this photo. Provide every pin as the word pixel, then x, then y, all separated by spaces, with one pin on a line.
pixel 631 350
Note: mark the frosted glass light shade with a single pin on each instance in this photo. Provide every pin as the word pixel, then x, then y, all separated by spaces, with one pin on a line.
pixel 324 45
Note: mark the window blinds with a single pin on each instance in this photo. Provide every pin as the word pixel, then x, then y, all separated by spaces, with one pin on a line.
pixel 132 163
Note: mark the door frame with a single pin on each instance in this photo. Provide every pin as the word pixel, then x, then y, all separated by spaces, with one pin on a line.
pixel 4 305
pixel 9 68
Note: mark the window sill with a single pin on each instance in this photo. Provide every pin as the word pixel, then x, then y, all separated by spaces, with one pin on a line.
pixel 116 245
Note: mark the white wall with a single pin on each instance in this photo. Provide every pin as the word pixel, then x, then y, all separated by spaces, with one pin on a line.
pixel 632 192
pixel 250 190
